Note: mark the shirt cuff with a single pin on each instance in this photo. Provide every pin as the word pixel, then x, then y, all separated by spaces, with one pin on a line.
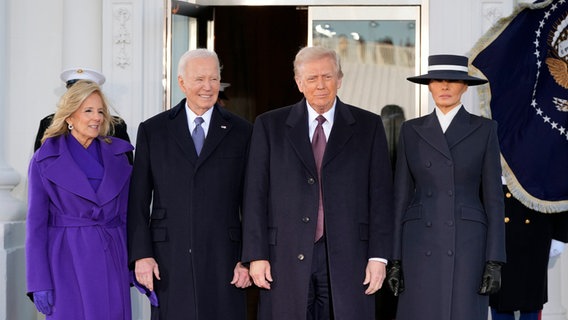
pixel 380 260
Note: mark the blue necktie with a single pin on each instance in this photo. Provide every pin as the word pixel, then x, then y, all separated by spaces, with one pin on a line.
pixel 198 135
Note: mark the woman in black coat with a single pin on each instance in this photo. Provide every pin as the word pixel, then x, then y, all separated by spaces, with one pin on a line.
pixel 449 239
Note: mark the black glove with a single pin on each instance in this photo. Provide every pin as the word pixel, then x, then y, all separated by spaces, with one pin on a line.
pixel 491 281
pixel 395 279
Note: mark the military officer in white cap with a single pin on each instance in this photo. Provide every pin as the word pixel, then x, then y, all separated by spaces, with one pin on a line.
pixel 70 76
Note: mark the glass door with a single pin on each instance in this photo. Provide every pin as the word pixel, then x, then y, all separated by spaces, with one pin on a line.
pixel 379 48
pixel 188 26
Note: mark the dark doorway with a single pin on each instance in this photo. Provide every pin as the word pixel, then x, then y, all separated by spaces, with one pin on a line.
pixel 256 46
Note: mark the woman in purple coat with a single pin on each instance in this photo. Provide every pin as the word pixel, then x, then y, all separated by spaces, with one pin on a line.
pixel 76 231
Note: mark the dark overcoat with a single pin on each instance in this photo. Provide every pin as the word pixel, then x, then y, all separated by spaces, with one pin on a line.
pixel 529 233
pixel 449 215
pixel 184 211
pixel 76 237
pixel 281 205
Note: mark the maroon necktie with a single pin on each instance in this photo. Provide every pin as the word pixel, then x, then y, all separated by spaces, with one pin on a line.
pixel 318 147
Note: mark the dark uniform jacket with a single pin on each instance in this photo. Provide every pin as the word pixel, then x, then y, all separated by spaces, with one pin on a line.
pixel 528 237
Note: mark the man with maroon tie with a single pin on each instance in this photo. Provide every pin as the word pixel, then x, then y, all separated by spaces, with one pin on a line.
pixel 317 219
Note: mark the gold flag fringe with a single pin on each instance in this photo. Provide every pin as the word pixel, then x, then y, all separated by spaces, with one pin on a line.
pixel 485 98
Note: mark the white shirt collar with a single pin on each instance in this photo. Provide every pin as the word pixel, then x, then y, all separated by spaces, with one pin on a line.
pixel 327 125
pixel 191 117
pixel 446 119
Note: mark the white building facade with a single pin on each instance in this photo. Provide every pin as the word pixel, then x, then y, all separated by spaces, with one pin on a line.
pixel 125 39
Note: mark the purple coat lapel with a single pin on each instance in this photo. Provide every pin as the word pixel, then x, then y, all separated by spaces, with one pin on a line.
pixel 61 169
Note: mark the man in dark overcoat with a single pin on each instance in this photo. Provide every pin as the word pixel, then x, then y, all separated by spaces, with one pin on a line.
pixel 184 228
pixel 303 274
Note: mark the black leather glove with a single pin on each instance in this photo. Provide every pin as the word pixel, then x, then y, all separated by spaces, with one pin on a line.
pixel 491 281
pixel 395 279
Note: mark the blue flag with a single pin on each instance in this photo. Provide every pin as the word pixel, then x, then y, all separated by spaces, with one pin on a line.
pixel 525 59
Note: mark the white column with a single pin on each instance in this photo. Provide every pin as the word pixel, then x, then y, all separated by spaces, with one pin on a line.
pixel 553 309
pixel 12 305
pixel 82 34
pixel 10 208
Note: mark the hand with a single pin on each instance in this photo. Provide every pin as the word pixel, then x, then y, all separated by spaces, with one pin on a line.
pixel 374 276
pixel 491 281
pixel 259 270
pixel 143 290
pixel 241 277
pixel 556 248
pixel 145 270
pixel 43 301
pixel 395 279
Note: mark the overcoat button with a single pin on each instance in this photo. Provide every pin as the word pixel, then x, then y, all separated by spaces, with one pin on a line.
pixel 450 223
pixel 311 181
pixel 428 164
pixel 507 219
pixel 306 219
pixel 508 195
pixel 429 193
pixel 449 163
pixel 527 221
pixel 428 253
pixel 450 253
pixel 450 193
pixel 429 224
pixel 301 257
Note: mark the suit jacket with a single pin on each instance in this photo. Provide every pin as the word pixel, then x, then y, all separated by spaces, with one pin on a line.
pixel 281 205
pixel 449 215
pixel 184 211
pixel 76 237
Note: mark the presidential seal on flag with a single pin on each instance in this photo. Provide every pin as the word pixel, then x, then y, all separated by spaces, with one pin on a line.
pixel 525 58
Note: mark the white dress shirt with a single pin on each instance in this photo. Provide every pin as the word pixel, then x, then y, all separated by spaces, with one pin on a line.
pixel 191 118
pixel 327 125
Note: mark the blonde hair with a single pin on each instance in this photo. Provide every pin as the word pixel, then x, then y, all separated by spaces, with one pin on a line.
pixel 70 102
pixel 309 54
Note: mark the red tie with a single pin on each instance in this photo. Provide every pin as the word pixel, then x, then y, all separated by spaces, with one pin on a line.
pixel 318 147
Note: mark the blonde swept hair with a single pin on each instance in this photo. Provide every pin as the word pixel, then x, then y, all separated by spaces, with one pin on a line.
pixel 70 102
pixel 309 54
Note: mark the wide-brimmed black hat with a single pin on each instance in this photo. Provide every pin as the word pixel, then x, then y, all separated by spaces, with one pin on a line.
pixel 447 67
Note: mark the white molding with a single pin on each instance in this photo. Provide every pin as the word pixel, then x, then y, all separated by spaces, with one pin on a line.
pixel 122 35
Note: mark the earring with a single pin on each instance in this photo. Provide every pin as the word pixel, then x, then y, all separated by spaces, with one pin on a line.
pixel 70 127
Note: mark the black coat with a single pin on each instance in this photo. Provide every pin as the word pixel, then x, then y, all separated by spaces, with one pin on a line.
pixel 528 236
pixel 194 231
pixel 449 215
pixel 281 204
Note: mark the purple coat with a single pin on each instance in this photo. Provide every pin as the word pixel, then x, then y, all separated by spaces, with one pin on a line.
pixel 76 237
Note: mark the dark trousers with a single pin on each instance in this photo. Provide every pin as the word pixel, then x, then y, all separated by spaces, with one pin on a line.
pixel 319 294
